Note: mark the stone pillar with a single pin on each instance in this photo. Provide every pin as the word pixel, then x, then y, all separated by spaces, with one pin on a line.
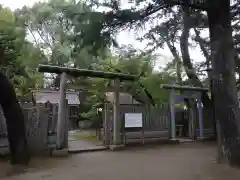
pixel 172 110
pixel 200 117
pixel 61 113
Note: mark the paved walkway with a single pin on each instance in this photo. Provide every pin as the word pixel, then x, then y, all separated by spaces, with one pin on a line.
pixel 76 146
pixel 77 142
pixel 192 161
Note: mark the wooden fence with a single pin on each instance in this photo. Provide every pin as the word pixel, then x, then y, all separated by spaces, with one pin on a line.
pixel 156 123
pixel 37 126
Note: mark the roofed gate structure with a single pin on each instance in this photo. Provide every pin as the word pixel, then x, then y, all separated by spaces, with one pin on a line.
pixel 62 120
pixel 187 92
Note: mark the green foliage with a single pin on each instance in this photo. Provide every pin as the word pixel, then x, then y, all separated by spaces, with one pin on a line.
pixel 6 18
pixel 19 58
pixel 66 33
pixel 153 82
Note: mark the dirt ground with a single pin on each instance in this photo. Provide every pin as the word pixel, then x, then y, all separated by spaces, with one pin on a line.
pixel 192 161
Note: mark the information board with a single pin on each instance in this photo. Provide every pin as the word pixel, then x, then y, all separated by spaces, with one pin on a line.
pixel 133 120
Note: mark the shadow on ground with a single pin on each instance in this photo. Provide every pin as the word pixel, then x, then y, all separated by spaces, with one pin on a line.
pixel 190 161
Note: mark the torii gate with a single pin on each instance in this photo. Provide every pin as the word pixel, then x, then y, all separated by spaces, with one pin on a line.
pixel 196 93
pixel 62 135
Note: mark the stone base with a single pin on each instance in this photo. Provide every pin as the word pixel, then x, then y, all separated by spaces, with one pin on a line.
pixel 60 153
pixel 116 147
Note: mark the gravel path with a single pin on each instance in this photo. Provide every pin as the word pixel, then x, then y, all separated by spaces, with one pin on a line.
pixel 195 161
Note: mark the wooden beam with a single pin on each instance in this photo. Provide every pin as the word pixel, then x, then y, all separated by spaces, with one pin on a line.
pixel 186 88
pixel 85 73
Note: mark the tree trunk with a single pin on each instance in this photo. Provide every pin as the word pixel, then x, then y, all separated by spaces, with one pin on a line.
pixel 177 59
pixel 224 82
pixel 203 49
pixel 209 73
pixel 15 122
pixel 189 69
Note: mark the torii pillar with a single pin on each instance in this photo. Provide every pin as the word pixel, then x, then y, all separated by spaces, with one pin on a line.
pixel 61 123
pixel 200 117
pixel 117 143
pixel 172 110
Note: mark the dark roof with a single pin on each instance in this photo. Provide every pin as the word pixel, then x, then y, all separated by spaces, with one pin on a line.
pixel 186 88
pixel 53 97
pixel 124 98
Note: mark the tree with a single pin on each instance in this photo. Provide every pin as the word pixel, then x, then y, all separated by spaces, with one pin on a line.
pixel 8 100
pixel 166 32
pixel 49 29
pixel 54 33
pixel 175 68
pixel 222 49
pixel 21 58
pixel 223 76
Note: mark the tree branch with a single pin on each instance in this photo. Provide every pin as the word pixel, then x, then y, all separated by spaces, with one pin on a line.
pixel 198 4
pixel 202 47
pixel 190 71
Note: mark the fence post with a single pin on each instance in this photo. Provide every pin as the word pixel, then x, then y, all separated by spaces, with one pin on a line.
pixel 54 118
pixel 105 125
pixel 200 117
pixel 172 110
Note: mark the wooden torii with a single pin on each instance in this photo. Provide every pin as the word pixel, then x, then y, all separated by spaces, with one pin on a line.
pixel 62 120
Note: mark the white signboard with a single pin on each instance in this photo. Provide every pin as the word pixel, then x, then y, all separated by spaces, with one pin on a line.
pixel 133 120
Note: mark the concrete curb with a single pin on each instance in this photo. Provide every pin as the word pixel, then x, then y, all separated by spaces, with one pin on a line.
pixel 87 150
pixel 155 143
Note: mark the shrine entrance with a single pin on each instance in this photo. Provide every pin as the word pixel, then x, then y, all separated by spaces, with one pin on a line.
pixel 62 118
pixel 186 111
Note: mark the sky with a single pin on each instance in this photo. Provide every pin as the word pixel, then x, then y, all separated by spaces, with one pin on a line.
pixel 123 38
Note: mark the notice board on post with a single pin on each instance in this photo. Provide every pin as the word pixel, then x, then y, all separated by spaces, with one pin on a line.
pixel 133 121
